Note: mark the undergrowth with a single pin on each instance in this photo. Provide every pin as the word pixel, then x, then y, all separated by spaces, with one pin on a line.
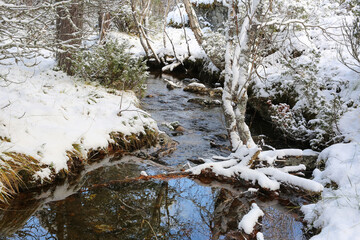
pixel 111 65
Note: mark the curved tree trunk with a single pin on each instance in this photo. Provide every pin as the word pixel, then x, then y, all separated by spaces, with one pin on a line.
pixel 193 20
pixel 195 27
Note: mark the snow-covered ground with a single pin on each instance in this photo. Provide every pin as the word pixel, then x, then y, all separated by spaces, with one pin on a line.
pixel 337 213
pixel 44 113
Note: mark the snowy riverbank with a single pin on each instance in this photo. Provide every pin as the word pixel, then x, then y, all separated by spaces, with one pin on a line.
pixel 46 114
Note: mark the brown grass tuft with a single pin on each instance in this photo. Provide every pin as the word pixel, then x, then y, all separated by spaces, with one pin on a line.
pixel 15 168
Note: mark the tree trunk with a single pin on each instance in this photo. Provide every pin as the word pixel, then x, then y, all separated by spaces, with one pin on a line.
pixel 69 26
pixel 195 27
pixel 237 78
pixel 236 70
pixel 193 20
pixel 104 27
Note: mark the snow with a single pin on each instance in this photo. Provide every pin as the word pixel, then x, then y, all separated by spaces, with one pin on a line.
pixel 237 165
pixel 143 173
pixel 288 169
pixel 271 155
pixel 259 236
pixel 249 221
pixel 207 2
pixel 284 177
pixel 194 84
pixel 178 16
pixel 47 112
pixel 338 212
pixel 349 125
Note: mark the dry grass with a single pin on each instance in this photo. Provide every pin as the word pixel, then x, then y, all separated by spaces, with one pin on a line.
pixel 15 168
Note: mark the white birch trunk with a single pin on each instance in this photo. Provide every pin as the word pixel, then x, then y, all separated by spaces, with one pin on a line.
pixel 236 80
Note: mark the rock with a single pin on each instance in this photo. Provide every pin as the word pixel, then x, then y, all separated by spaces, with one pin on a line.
pixel 170 86
pixel 177 134
pixel 214 14
pixel 175 124
pixel 200 101
pixel 196 161
pixel 164 139
pixel 196 89
pixel 213 144
pixel 172 126
pixel 222 137
pixel 202 90
pixel 180 129
pixel 205 102
pixel 216 92
pixel 149 96
pixel 167 146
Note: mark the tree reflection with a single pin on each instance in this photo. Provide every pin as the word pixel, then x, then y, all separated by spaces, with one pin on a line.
pixel 174 209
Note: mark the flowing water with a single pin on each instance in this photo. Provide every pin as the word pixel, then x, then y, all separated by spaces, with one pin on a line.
pixel 97 207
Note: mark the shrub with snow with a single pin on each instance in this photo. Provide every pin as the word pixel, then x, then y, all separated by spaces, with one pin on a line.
pixel 112 65
pixel 307 85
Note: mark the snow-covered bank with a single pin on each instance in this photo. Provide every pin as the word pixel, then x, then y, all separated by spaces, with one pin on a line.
pixel 178 40
pixel 182 40
pixel 46 114
pixel 337 214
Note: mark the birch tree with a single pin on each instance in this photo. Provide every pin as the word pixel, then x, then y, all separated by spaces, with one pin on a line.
pixel 237 67
pixel 238 73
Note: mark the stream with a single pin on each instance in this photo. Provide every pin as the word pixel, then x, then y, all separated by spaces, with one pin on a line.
pixel 156 209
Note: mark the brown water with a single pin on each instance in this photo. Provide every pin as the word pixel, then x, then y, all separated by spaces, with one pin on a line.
pixel 175 209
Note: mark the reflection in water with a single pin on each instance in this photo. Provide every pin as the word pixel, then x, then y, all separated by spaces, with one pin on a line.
pixel 177 209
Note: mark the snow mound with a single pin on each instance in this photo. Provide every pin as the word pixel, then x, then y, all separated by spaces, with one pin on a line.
pixel 338 212
pixel 349 125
